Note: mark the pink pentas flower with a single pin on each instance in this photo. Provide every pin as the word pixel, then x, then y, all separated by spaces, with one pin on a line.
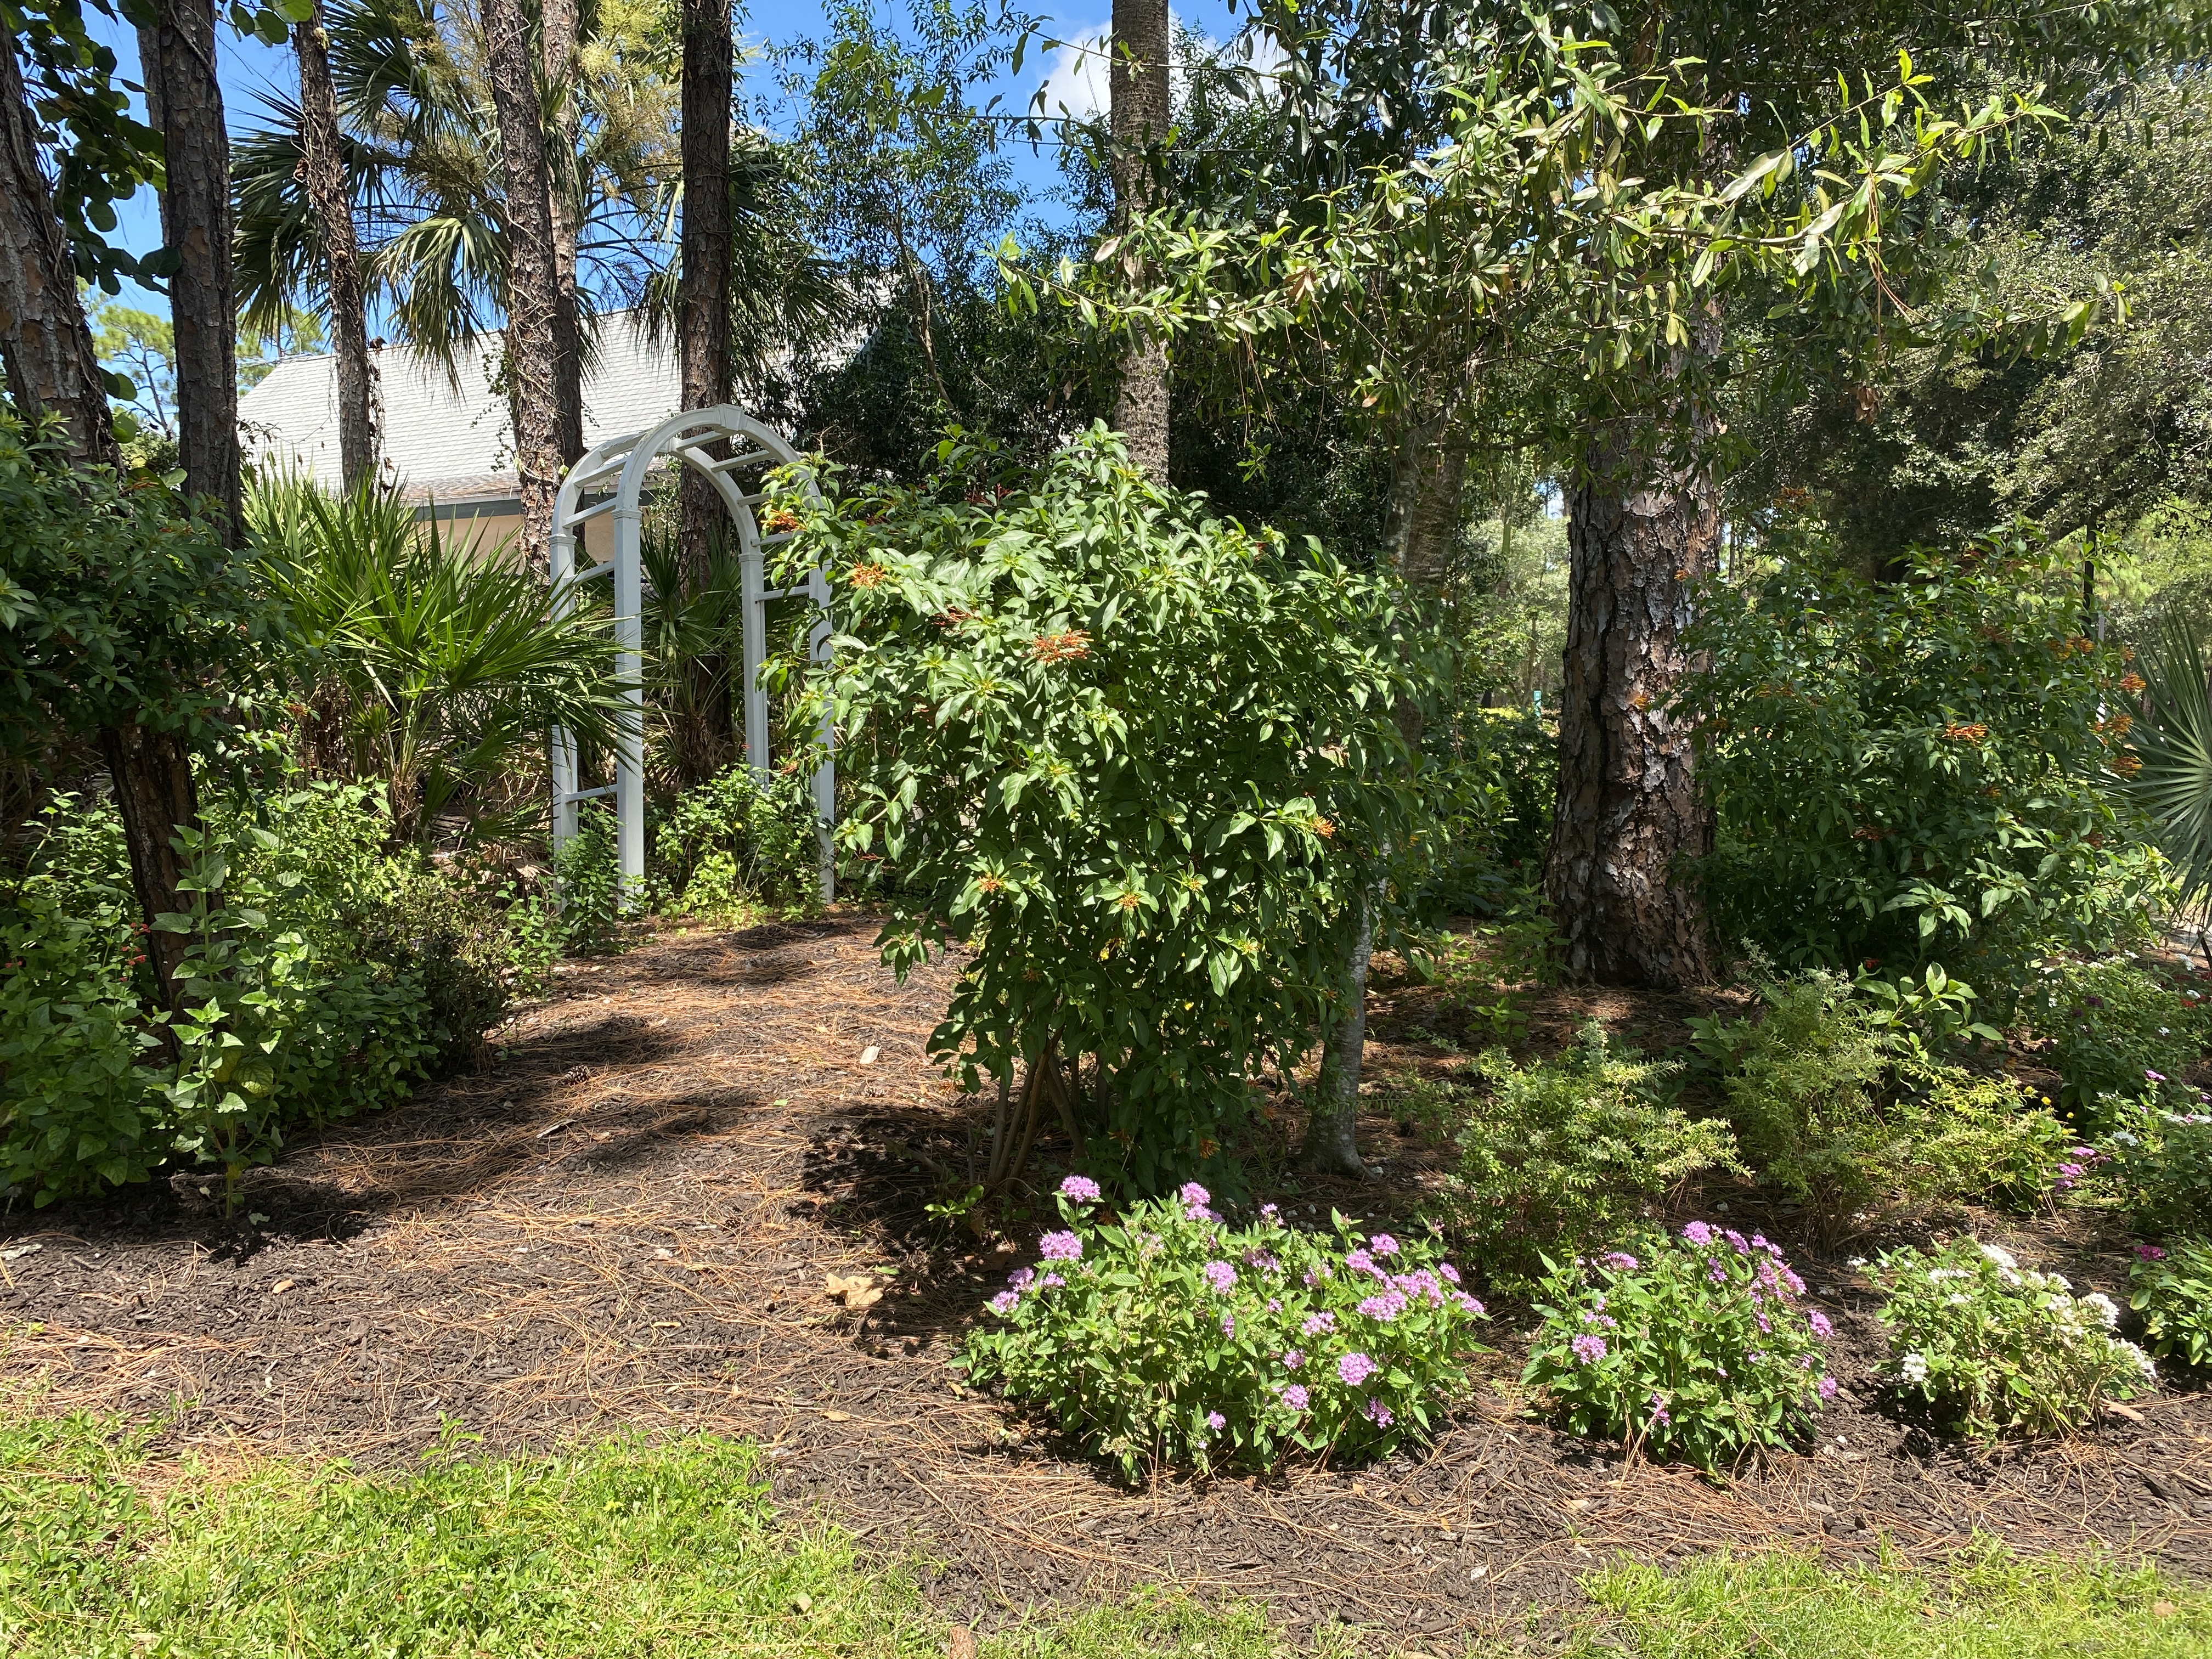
pixel 1468 1305
pixel 1355 1369
pixel 2149 1253
pixel 1451 1273
pixel 1020 1278
pixel 1819 1321
pixel 1379 1414
pixel 1384 1307
pixel 1061 1247
pixel 1294 1357
pixel 1384 1244
pixel 1295 1397
pixel 1192 1192
pixel 1827 1386
pixel 1621 1262
pixel 1006 1302
pixel 1698 1233
pixel 1317 1323
pixel 1216 1421
pixel 1589 1348
pixel 1082 1188
pixel 1221 1276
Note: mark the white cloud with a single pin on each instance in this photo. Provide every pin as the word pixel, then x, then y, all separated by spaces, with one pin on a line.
pixel 1074 84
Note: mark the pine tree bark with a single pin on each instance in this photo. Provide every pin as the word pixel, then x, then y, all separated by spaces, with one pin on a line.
pixel 185 100
pixel 45 342
pixel 1139 91
pixel 323 170
pixel 557 26
pixel 52 369
pixel 1642 525
pixel 532 293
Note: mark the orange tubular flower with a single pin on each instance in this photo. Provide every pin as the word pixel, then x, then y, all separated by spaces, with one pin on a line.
pixel 1060 648
pixel 867 576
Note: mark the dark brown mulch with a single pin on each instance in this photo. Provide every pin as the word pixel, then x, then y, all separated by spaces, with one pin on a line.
pixel 628 1220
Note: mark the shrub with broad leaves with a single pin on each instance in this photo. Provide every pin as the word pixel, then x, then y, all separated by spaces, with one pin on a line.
pixel 1130 761
pixel 2115 1026
pixel 2171 1286
pixel 1994 1349
pixel 1166 1337
pixel 1696 1346
pixel 2161 1161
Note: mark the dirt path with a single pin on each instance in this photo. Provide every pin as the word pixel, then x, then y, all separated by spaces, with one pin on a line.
pixel 628 1218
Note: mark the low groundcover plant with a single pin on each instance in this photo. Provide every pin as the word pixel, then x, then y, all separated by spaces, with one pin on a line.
pixel 1693 1346
pixel 1168 1337
pixel 2171 1286
pixel 1996 1349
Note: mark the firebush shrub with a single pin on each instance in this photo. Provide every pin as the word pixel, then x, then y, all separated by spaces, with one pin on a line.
pixel 1693 1346
pixel 1167 1337
pixel 2171 1286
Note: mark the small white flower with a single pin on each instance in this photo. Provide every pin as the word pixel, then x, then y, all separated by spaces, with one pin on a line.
pixel 2142 1361
pixel 2100 1305
pixel 1958 1299
pixel 1856 1261
pixel 1998 1253
pixel 1940 1274
pixel 1914 1367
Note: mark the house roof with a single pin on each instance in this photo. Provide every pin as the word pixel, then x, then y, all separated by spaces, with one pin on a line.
pixel 445 437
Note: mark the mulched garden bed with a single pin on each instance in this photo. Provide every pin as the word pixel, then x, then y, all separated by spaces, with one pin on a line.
pixel 627 1218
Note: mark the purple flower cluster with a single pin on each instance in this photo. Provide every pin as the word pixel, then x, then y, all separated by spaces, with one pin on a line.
pixel 2080 1160
pixel 1295 1397
pixel 1221 1276
pixel 1061 1247
pixel 1355 1369
pixel 1384 1307
pixel 1021 1277
pixel 1361 1262
pixel 1378 1413
pixel 1216 1421
pixel 1589 1348
pixel 1195 1198
pixel 1317 1323
pixel 1384 1244
pixel 1006 1302
pixel 1619 1261
pixel 1294 1357
pixel 1661 1416
pixel 2149 1253
pixel 1082 1188
pixel 1819 1321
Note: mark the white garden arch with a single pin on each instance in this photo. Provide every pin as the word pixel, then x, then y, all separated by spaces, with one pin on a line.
pixel 689 438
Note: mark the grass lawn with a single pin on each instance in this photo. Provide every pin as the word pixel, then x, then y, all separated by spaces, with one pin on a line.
pixel 631 1548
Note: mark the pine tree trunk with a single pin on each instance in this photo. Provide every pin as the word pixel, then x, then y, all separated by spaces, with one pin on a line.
pixel 324 171
pixel 705 738
pixel 1137 87
pixel 52 369
pixel 557 26
pixel 1641 528
pixel 45 344
pixel 185 100
pixel 533 292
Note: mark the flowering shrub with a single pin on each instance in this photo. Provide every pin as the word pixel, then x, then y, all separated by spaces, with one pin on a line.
pixel 1994 1349
pixel 1562 1154
pixel 1691 1346
pixel 1169 1337
pixel 1040 770
pixel 2171 1286
pixel 2113 1026
pixel 2162 1160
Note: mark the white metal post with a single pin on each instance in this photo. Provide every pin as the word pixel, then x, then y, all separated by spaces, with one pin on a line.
pixel 629 650
pixel 752 562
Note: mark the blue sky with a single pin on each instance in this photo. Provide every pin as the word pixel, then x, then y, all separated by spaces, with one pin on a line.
pixel 1073 75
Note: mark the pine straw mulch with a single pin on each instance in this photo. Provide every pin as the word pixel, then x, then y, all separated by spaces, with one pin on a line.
pixel 629 1218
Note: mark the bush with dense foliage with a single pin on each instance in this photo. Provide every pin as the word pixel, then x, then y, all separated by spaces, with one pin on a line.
pixel 1503 769
pixel 114 610
pixel 1922 768
pixel 1838 1105
pixel 734 844
pixel 2114 1025
pixel 1167 1337
pixel 322 976
pixel 1693 1346
pixel 2160 1159
pixel 1134 759
pixel 1993 1349
pixel 2171 1286
pixel 1562 1154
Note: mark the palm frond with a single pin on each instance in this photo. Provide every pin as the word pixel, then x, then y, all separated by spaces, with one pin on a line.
pixel 2173 741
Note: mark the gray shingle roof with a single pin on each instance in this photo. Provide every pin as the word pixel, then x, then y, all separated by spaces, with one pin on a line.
pixel 448 442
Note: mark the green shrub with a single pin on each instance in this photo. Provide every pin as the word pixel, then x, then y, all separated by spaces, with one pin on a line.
pixel 1560 1154
pixel 1166 1337
pixel 2171 1286
pixel 1134 759
pixel 322 976
pixel 1840 1108
pixel 733 844
pixel 1801 1085
pixel 588 908
pixel 1919 769
pixel 2161 1160
pixel 1496 825
pixel 2114 1025
pixel 1693 1346
pixel 1993 1349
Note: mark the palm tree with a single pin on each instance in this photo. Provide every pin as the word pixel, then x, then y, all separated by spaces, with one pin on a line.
pixel 438 671
pixel 323 173
pixel 2172 743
